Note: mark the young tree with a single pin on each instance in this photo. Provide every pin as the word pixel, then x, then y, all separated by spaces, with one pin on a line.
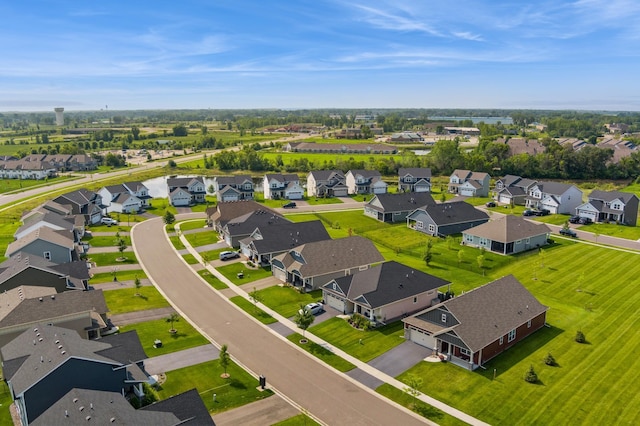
pixel 550 360
pixel 450 241
pixel 169 217
pixel 122 246
pixel 480 261
pixel 460 256
pixel 413 388
pixel 303 319
pixel 224 359
pixel 580 337
pixel 428 255
pixel 531 376
pixel 138 285
pixel 255 298
pixel 173 318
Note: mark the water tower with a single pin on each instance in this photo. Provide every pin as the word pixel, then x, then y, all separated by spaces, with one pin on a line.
pixel 59 116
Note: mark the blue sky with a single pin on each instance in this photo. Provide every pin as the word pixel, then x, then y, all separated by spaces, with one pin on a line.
pixel 139 54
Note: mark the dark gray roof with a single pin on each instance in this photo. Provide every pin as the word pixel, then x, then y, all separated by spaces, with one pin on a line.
pixel 233 180
pixel 508 228
pixel 247 223
pixel 126 348
pixel 608 196
pixel 80 197
pixel 417 172
pixel 326 174
pixel 554 188
pixel 183 182
pixel 367 174
pixel 279 237
pixel 284 178
pixel 387 283
pixel 55 306
pixel 454 212
pixel 187 406
pixel 404 201
pixel 227 210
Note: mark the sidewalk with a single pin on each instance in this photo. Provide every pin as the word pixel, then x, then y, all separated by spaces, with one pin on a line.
pixel 185 358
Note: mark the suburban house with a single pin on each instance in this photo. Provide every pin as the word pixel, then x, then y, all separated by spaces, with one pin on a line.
pixel 22 169
pixel 45 362
pixel 610 206
pixel 556 197
pixel 73 224
pixel 512 190
pixel 446 218
pixel 351 148
pixel 233 188
pixel 507 235
pixel 129 197
pixel 519 146
pixel 326 183
pixel 25 307
pixel 312 265
pixel 223 212
pixel 277 186
pixel 65 162
pixel 56 246
pixel 272 239
pixel 365 182
pixel 23 268
pixel 396 207
pixel 414 179
pixel 84 202
pixel 406 137
pixel 478 325
pixel 469 184
pixel 243 226
pixel 186 191
pixel 383 292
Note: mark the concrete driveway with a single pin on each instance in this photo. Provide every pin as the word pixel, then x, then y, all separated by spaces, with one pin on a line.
pixel 186 358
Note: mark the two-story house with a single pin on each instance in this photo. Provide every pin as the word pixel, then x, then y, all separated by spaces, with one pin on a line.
pixel 84 202
pixel 396 207
pixel 610 206
pixel 557 197
pixel 55 246
pixel 512 190
pixel 469 184
pixel 326 183
pixel 365 182
pixel 186 191
pixel 128 197
pixel 414 179
pixel 233 188
pixel 442 219
pixel 278 186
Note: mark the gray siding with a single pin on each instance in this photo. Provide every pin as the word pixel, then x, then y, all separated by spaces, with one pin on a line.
pixel 36 277
pixel 457 228
pixel 435 317
pixel 58 254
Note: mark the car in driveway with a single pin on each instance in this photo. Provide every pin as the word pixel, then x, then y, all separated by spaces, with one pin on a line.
pixel 568 232
pixel 585 221
pixel 541 212
pixel 290 205
pixel 226 255
pixel 315 308
pixel 574 219
pixel 108 221
pixel 490 204
pixel 528 213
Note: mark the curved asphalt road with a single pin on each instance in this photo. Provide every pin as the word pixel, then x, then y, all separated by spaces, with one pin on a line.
pixel 327 395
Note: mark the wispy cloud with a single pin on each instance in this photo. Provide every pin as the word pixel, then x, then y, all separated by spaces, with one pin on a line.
pixel 398 22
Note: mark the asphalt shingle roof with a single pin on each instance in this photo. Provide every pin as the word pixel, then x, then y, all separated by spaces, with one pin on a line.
pixel 454 212
pixel 508 228
pixel 404 201
pixel 285 236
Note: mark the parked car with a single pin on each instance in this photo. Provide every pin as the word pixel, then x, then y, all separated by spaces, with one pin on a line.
pixel 542 212
pixel 226 255
pixel 568 232
pixel 490 204
pixel 290 205
pixel 528 213
pixel 574 219
pixel 315 308
pixel 585 221
pixel 108 221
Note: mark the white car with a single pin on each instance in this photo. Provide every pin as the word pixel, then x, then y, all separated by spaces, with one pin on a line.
pixel 315 308
pixel 228 255
pixel 108 221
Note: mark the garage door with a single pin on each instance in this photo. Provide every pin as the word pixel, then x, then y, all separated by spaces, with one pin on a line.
pixel 279 274
pixel 504 200
pixel 335 302
pixel 422 338
pixel 245 250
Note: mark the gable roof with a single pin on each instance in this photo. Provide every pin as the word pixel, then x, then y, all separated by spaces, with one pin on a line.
pixel 417 172
pixel 508 228
pixel 404 201
pixel 184 182
pixel 609 196
pixel 386 283
pixel 45 234
pixel 233 180
pixel 75 271
pixel 490 311
pixel 126 347
pixel 367 174
pixel 326 174
pixel 554 188
pixel 187 406
pixel 284 236
pixel 227 210
pixel 453 212
pixel 284 178
pixel 247 223
pixel 80 197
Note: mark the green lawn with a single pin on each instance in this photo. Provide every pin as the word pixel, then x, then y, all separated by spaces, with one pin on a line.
pixel 186 337
pixel 177 243
pixel 213 281
pixel 5 402
pixel 206 236
pixel 106 241
pixel 109 259
pixel 554 219
pixel 252 310
pixel 121 228
pixel 125 300
pixel 286 300
pixel 191 260
pixel 364 345
pixel 298 420
pixel 105 277
pixel 239 389
pixel 231 271
pixel 192 224
pixel 613 230
pixel 322 353
pixel 319 160
pixel 11 185
pixel 321 201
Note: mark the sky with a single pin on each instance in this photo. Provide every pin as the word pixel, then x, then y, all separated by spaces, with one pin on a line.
pixel 220 54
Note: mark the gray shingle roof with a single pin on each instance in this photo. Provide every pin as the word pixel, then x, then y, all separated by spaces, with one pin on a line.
pixel 247 223
pixel 227 210
pixel 285 236
pixel 404 201
pixel 454 212
pixel 609 196
pixel 554 188
pixel 417 172
pixel 45 234
pixel 187 406
pixel 326 174
pixel 508 228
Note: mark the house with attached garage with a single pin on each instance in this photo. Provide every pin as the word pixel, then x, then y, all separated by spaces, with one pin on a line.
pixel 384 292
pixel 84 202
pixel 272 239
pixel 312 265
pixel 557 197
pixel 414 179
pixel 56 246
pixel 278 186
pixel 73 224
pixel 469 184
pixel 129 197
pixel 365 182
pixel 186 191
pixel 243 226
pixel 326 183
pixel 394 208
pixel 478 325
pixel 444 219
pixel 233 188
pixel 512 190
pixel 23 269
pixel 507 235
pixel 223 212
pixel 610 206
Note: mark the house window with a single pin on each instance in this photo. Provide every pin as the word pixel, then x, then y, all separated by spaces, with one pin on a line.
pixel 529 324
pixel 432 227
pixel 468 238
pixel 464 351
pixel 501 338
pixel 415 300
pixel 518 241
pixel 528 240
pixel 443 317
pixel 512 336
pixel 47 255
pixel 419 225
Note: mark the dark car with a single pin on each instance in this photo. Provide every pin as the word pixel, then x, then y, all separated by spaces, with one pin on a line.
pixel 542 212
pixel 290 205
pixel 528 213
pixel 568 232
pixel 490 204
pixel 574 219
pixel 584 221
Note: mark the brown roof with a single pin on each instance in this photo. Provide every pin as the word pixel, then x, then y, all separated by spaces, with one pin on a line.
pixel 508 228
pixel 227 210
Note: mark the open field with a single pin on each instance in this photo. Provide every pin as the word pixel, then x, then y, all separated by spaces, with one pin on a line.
pixel 10 185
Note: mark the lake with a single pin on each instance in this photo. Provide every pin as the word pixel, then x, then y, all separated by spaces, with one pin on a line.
pixel 487 120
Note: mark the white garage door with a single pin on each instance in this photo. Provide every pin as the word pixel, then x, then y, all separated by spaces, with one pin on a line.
pixel 504 200
pixel 279 274
pixel 423 339
pixel 335 302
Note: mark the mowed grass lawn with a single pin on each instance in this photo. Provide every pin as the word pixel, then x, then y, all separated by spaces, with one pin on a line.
pixel 111 259
pixel 364 345
pixel 232 270
pixel 587 288
pixel 125 300
pixel 239 389
pixel 286 301
pixel 202 238
pixel 186 337
pixel 105 277
pixel 192 224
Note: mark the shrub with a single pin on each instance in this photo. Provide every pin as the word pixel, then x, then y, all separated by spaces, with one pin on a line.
pixel 360 322
pixel 531 376
pixel 550 360
pixel 580 337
